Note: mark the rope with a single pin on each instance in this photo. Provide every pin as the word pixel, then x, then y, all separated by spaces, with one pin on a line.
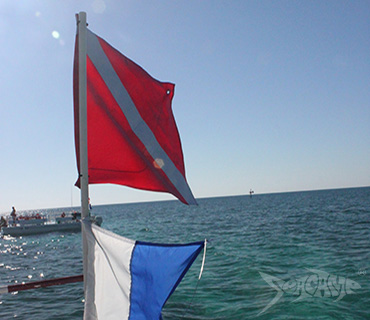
pixel 200 275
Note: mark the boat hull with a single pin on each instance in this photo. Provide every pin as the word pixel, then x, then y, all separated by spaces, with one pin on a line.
pixel 39 229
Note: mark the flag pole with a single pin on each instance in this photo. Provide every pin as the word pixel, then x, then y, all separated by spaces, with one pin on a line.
pixel 84 179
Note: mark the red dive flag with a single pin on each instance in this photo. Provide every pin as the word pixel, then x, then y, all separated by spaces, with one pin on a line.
pixel 132 134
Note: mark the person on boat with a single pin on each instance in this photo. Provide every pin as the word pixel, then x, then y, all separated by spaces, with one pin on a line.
pixel 13 215
pixel 3 222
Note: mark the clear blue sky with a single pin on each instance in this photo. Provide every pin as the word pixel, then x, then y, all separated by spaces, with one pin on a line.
pixel 270 95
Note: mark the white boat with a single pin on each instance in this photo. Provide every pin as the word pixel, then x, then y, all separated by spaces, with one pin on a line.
pixel 41 224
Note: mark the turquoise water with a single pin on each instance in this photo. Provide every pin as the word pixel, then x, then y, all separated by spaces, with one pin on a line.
pixel 285 236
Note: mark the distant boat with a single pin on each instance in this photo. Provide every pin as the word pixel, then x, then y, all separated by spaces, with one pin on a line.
pixel 40 224
pixel 250 192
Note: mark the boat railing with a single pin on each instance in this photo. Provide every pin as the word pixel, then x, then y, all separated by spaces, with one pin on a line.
pixel 64 220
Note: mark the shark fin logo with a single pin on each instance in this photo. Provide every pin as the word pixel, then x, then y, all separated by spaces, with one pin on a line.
pixel 317 284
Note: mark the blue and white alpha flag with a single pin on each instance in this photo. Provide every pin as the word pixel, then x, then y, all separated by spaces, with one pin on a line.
pixel 128 279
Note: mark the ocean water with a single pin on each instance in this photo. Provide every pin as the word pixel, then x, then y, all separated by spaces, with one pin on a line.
pixel 301 255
